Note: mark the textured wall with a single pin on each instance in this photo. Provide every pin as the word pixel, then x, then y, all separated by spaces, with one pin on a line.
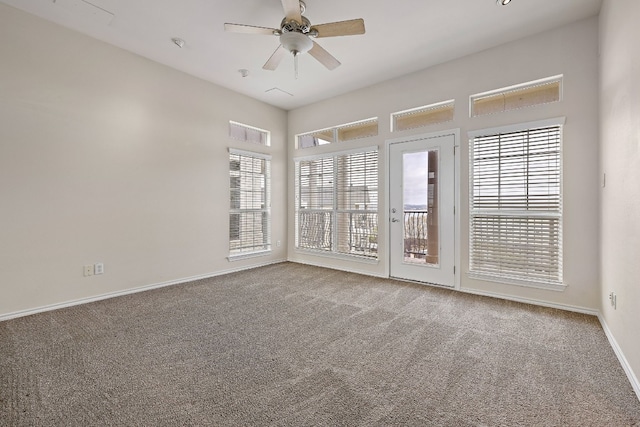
pixel 620 161
pixel 106 156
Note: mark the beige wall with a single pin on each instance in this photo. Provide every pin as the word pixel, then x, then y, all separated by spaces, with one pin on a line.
pixel 620 160
pixel 108 157
pixel 571 51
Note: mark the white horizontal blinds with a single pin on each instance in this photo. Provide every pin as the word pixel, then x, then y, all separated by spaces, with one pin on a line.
pixel 315 191
pixel 249 214
pixel 337 203
pixel 248 133
pixel 357 204
pixel 516 205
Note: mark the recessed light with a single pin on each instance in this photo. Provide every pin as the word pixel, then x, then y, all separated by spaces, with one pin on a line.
pixel 503 2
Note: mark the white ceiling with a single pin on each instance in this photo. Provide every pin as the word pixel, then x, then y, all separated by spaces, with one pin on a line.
pixel 402 36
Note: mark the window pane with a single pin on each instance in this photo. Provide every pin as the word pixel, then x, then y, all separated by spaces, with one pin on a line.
pixel 358 130
pixel 337 203
pixel 534 93
pixel 248 133
pixel 249 226
pixel 516 206
pixel 428 115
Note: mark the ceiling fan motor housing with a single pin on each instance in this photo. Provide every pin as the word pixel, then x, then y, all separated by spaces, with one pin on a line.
pixel 293 26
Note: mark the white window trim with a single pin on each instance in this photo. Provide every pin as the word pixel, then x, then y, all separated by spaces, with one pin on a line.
pixel 332 253
pixel 249 153
pixel 556 121
pixel 262 252
pixel 256 254
pixel 334 130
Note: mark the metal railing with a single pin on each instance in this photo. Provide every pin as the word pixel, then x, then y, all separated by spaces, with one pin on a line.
pixel 415 233
pixel 357 231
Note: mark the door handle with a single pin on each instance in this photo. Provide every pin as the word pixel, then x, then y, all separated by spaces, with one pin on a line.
pixel 394 220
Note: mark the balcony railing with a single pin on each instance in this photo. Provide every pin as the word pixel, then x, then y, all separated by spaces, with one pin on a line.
pixel 357 231
pixel 415 233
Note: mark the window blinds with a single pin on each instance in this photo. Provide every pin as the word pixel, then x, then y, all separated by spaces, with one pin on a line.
pixel 516 206
pixel 249 213
pixel 337 203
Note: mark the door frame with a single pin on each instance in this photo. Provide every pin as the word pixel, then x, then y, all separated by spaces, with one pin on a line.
pixel 456 223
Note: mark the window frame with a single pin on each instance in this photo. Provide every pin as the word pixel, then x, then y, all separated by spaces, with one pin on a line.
pixel 238 210
pixel 532 214
pixel 514 90
pixel 336 133
pixel 333 210
pixel 429 110
pixel 265 134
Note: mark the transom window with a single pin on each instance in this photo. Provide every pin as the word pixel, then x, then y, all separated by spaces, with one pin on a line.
pixel 341 133
pixel 248 133
pixel 523 95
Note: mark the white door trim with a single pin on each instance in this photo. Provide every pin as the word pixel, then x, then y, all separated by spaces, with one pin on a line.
pixel 457 220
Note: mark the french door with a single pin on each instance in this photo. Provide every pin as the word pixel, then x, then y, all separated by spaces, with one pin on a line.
pixel 422 210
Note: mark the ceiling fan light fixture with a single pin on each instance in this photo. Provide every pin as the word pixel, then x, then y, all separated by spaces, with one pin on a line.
pixel 296 42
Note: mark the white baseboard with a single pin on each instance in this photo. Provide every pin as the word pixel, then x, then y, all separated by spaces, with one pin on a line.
pixel 566 307
pixel 333 267
pixel 100 297
pixel 620 355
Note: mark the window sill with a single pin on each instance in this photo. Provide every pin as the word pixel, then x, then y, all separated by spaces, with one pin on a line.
pixel 517 282
pixel 237 257
pixel 344 257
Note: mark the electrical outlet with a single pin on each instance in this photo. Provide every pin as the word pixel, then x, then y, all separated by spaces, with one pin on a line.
pixel 98 268
pixel 613 298
pixel 88 270
pixel 278 243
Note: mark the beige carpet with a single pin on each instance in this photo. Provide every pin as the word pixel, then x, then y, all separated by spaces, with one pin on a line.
pixel 294 345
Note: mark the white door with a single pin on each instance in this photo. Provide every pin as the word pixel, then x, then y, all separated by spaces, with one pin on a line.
pixel 422 210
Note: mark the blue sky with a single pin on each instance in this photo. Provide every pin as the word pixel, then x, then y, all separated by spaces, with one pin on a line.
pixel 415 172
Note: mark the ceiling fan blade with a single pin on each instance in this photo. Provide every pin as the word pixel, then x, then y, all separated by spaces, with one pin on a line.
pixel 249 29
pixel 324 57
pixel 342 28
pixel 292 10
pixel 275 59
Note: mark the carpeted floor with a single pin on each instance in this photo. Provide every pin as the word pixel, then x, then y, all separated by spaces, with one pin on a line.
pixel 294 345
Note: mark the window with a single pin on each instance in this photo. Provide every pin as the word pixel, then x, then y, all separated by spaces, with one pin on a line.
pixel 342 133
pixel 337 203
pixel 248 133
pixel 422 116
pixel 524 95
pixel 516 204
pixel 250 206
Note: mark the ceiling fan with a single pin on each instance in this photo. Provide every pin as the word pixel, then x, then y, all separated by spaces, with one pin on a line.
pixel 296 34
